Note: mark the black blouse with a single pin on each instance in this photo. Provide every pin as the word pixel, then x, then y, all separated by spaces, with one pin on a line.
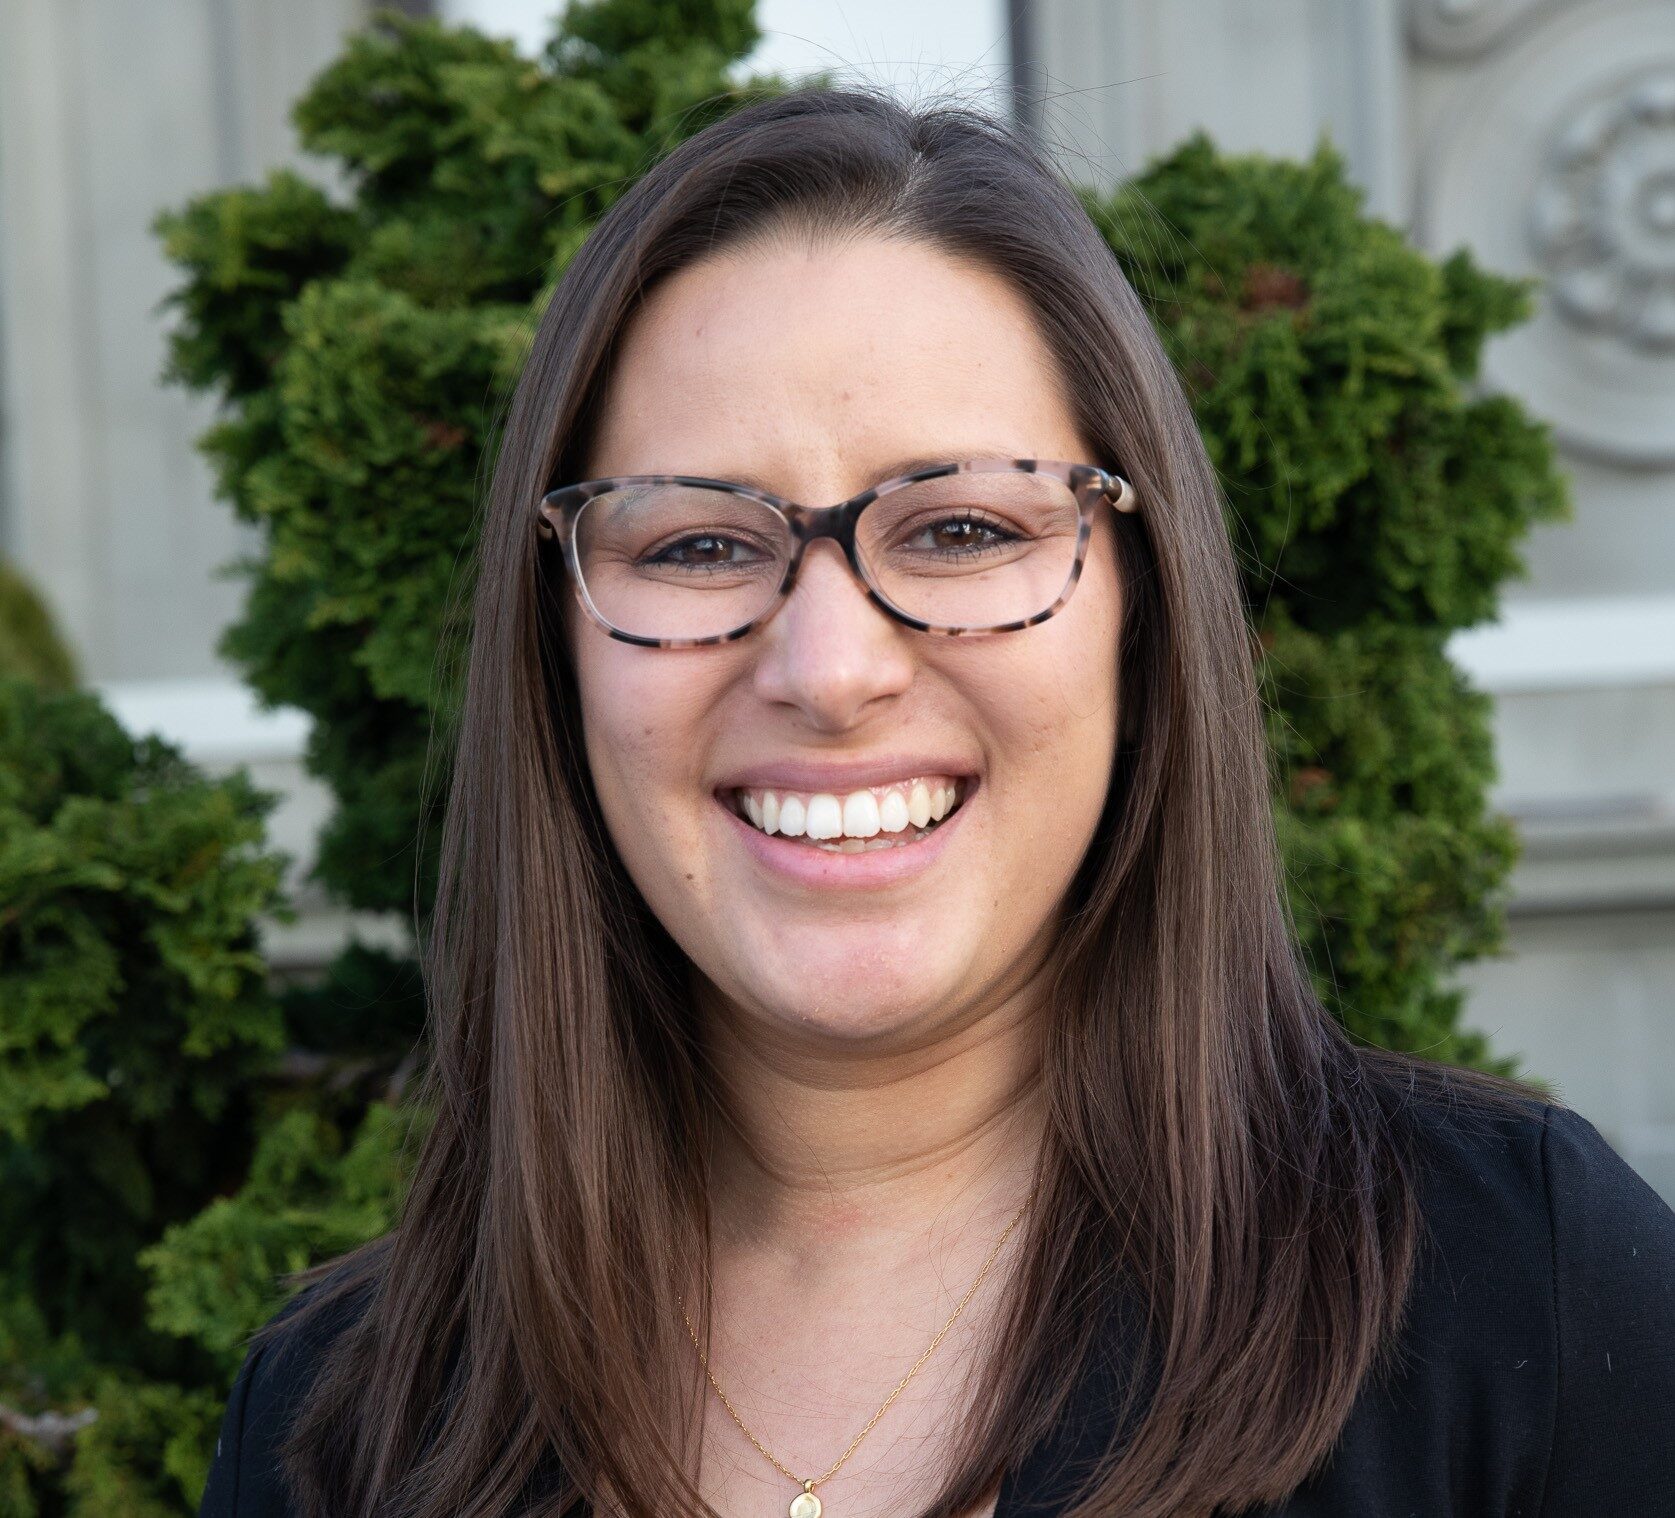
pixel 1536 1379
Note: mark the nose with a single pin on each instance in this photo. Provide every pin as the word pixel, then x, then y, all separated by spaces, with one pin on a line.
pixel 828 650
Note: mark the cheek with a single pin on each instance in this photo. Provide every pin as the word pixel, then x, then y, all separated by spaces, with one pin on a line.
pixel 1072 673
pixel 1051 701
pixel 1059 721
pixel 644 715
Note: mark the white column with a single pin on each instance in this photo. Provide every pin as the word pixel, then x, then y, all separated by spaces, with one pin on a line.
pixel 109 112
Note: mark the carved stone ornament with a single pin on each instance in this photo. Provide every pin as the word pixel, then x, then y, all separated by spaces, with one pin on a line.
pixel 1468 28
pixel 1602 216
pixel 1553 156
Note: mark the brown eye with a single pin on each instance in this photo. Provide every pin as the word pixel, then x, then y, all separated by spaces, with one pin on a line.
pixel 706 551
pixel 962 535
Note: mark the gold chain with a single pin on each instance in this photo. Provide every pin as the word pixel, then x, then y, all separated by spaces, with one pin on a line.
pixel 810 1483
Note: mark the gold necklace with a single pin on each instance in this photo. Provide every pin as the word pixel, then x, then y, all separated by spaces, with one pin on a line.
pixel 805 1504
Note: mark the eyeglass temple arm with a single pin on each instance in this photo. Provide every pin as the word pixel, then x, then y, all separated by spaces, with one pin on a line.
pixel 1121 495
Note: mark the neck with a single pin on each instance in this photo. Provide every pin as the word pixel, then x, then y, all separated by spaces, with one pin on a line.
pixel 833 1149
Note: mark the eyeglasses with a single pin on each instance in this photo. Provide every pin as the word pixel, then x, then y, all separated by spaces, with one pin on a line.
pixel 985 545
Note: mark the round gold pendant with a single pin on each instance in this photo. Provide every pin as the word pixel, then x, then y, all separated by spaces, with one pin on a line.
pixel 805 1505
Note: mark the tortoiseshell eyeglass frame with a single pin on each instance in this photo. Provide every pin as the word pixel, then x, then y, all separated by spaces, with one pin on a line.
pixel 556 518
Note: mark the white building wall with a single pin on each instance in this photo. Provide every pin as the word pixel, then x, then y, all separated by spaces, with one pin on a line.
pixel 110 111
pixel 916 47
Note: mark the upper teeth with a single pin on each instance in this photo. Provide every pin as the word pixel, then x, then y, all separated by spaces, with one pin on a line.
pixel 856 814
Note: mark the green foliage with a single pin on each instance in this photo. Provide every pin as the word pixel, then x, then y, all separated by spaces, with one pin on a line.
pixel 147 1453
pixel 24 1466
pixel 30 643
pixel 138 1082
pixel 134 1016
pixel 365 1012
pixel 1376 503
pixel 133 988
pixel 306 1199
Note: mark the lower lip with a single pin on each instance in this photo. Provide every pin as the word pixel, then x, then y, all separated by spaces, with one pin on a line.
pixel 811 866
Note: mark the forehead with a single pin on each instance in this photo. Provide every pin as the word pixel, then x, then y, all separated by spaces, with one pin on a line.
pixel 815 362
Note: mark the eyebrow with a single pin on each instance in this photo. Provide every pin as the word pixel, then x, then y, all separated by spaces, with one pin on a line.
pixel 893 469
pixel 887 471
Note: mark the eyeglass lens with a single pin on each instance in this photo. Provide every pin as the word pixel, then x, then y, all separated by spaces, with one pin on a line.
pixel 972 550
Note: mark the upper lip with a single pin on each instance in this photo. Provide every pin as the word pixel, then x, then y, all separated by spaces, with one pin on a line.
pixel 856 775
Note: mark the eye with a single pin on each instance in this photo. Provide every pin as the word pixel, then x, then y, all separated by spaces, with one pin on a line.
pixel 705 550
pixel 955 535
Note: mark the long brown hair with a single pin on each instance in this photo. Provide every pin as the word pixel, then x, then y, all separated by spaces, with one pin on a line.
pixel 1214 1137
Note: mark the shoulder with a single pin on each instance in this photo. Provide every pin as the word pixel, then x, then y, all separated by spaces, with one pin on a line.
pixel 1535 1371
pixel 1538 1198
pixel 1613 1276
pixel 279 1368
pixel 1533 1214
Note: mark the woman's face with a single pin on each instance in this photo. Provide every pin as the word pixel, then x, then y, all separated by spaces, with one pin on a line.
pixel 814 374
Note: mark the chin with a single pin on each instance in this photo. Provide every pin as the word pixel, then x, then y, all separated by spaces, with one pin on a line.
pixel 851 996
pixel 853 1018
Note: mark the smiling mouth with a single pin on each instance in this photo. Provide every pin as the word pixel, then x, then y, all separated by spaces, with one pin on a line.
pixel 856 822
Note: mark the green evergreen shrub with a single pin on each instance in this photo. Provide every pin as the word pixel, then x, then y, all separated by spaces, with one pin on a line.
pixel 134 1022
pixel 1376 503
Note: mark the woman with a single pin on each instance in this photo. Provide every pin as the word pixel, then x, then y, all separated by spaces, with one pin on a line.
pixel 872 1069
